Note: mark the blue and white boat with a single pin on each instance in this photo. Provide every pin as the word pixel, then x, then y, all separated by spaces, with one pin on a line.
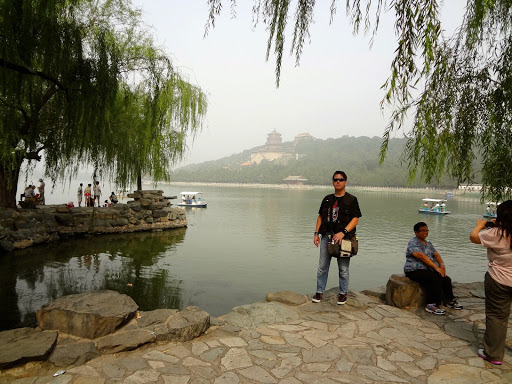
pixel 490 211
pixel 434 207
pixel 192 199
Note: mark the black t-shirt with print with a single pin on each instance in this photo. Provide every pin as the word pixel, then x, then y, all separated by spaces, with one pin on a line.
pixel 337 212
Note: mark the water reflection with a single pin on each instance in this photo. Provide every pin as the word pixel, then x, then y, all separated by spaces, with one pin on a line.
pixel 127 263
pixel 246 243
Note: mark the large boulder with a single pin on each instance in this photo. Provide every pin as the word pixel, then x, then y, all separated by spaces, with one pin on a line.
pixel 88 315
pixel 402 292
pixel 21 345
pixel 187 324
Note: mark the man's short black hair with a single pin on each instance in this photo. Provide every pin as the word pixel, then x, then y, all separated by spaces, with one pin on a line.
pixel 419 225
pixel 340 173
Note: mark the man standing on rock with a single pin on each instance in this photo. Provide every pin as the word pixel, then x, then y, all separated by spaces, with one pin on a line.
pixel 97 193
pixel 79 194
pixel 41 192
pixel 337 219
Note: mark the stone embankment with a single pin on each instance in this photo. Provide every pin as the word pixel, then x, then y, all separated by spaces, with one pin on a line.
pixel 291 340
pixel 150 210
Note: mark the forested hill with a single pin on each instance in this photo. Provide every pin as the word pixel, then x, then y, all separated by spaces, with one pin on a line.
pixel 317 160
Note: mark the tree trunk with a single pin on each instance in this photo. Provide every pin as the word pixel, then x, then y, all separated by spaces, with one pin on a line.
pixel 9 185
pixel 139 182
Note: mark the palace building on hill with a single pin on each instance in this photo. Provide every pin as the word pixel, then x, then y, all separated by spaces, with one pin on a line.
pixel 274 149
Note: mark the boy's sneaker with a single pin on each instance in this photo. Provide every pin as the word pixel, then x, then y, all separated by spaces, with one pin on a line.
pixel 454 304
pixel 482 354
pixel 342 298
pixel 432 308
pixel 318 297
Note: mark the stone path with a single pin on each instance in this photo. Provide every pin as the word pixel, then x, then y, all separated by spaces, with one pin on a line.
pixel 363 341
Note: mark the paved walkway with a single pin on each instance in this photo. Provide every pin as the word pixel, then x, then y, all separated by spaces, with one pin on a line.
pixel 363 341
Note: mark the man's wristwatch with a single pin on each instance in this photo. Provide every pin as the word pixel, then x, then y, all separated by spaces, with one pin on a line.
pixel 316 234
pixel 344 230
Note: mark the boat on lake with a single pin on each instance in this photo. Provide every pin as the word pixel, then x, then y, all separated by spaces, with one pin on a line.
pixel 490 211
pixel 192 199
pixel 434 207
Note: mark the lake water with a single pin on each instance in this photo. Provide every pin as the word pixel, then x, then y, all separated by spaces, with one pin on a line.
pixel 249 241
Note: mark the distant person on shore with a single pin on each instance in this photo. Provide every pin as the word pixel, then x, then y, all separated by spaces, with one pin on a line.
pixel 424 265
pixel 30 194
pixel 88 198
pixel 41 192
pixel 79 194
pixel 97 192
pixel 113 198
pixel 337 218
pixel 497 282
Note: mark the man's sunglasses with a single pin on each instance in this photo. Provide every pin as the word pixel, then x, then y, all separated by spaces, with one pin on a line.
pixel 334 180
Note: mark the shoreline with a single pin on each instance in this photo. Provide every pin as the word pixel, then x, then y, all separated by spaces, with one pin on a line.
pixel 308 186
pixel 456 192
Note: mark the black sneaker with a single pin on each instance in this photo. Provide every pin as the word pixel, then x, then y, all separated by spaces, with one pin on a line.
pixel 318 297
pixel 454 304
pixel 342 298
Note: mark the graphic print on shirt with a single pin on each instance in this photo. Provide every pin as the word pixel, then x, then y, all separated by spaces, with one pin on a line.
pixel 335 210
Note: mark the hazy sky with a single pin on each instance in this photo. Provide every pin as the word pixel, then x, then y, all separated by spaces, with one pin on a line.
pixel 334 92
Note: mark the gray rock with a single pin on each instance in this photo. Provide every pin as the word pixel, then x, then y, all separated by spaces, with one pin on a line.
pixel 175 370
pixel 378 292
pixel 227 378
pixel 144 376
pixel 124 341
pixel 462 331
pixel 113 370
pixel 255 315
pixel 257 374
pixel 377 374
pixel 460 374
pixel 88 315
pixel 287 297
pixel 403 292
pixel 160 356
pixel 187 324
pixel 236 358
pixel 72 352
pixel 154 317
pixel 21 345
pixel 212 354
pixel 323 354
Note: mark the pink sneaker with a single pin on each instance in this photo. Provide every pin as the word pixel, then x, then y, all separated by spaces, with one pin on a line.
pixel 482 354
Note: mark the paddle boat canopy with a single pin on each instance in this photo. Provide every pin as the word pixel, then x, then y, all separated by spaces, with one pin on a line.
pixel 192 199
pixel 434 207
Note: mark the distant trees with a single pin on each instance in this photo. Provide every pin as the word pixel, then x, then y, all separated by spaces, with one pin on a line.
pixel 464 110
pixel 318 160
pixel 81 82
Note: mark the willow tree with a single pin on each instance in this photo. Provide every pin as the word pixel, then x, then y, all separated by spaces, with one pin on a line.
pixel 457 88
pixel 81 82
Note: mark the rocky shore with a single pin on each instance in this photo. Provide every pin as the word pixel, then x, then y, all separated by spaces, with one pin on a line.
pixel 292 340
pixel 148 211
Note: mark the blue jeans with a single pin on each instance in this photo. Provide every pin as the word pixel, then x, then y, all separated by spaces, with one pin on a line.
pixel 323 269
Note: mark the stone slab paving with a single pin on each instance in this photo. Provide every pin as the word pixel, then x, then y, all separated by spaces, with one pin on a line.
pixel 362 342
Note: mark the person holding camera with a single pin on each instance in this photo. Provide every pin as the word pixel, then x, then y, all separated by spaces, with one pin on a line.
pixel 337 219
pixel 497 281
pixel 425 265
